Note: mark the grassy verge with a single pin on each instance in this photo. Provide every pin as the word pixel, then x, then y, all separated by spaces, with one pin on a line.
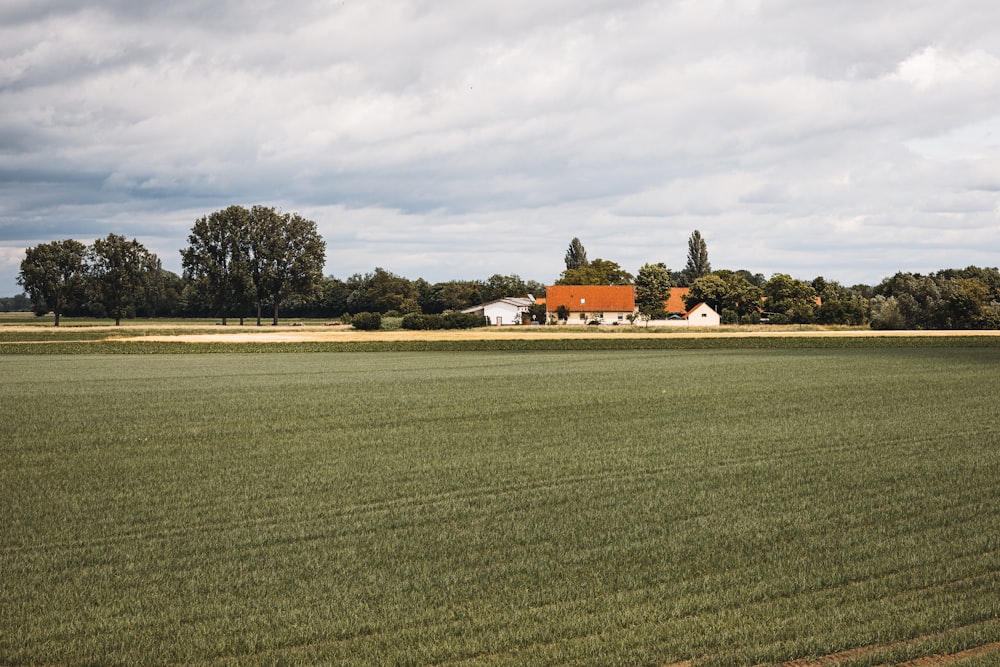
pixel 620 507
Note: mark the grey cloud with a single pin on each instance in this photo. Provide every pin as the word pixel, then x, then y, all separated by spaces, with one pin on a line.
pixel 442 128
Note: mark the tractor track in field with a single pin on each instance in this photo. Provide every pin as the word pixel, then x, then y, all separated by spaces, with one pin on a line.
pixel 862 652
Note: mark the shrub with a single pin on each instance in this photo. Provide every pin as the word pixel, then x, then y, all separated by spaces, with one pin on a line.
pixel 447 321
pixel 367 321
pixel 420 322
pixel 464 321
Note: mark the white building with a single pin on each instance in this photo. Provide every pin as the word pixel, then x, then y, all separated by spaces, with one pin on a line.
pixel 702 315
pixel 506 311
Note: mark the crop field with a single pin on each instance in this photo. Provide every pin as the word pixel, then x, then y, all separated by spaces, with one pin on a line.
pixel 538 507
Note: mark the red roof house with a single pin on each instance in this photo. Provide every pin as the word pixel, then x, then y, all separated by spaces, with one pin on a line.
pixel 586 303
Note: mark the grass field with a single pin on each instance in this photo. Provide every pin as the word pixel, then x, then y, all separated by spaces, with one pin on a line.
pixel 730 507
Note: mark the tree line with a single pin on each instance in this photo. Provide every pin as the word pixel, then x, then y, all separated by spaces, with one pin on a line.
pixel 949 299
pixel 242 261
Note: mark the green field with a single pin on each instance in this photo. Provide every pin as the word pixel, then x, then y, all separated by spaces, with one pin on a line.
pixel 731 506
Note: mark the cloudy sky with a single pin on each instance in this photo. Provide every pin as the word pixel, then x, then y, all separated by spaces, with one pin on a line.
pixel 451 139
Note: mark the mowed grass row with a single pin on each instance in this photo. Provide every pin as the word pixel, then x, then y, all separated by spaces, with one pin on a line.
pixel 608 507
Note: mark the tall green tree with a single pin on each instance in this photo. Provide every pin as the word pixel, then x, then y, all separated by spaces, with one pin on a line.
pixel 119 271
pixel 576 255
pixel 217 260
pixel 697 258
pixel 652 289
pixel 54 276
pixel 285 258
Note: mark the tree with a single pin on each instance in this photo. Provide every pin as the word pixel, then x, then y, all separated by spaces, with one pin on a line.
pixel 712 289
pixel 839 304
pixel 285 257
pixel 730 294
pixel 383 291
pixel 119 271
pixel 917 299
pixel 576 255
pixel 697 258
pixel 652 289
pixel 598 272
pixel 791 300
pixel 498 286
pixel 161 291
pixel 54 276
pixel 217 260
pixel 967 300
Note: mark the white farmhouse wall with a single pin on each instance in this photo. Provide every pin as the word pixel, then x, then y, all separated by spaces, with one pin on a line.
pixel 501 313
pixel 606 317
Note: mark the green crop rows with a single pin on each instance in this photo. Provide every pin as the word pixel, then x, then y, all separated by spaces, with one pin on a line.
pixel 628 507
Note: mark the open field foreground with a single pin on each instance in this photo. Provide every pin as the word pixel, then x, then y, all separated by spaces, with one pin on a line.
pixel 650 507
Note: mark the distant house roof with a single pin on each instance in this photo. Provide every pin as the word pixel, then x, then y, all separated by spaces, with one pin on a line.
pixel 675 304
pixel 590 298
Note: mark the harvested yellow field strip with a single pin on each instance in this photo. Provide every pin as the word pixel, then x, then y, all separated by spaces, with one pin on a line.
pixel 292 335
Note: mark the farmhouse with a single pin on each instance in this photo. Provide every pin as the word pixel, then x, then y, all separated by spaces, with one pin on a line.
pixel 604 304
pixel 505 311
pixel 615 304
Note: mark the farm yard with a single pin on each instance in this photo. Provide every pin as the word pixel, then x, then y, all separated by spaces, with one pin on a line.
pixel 823 500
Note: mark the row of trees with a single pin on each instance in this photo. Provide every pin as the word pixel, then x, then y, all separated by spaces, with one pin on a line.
pixel 950 299
pixel 237 261
pixel 240 261
pixel 108 278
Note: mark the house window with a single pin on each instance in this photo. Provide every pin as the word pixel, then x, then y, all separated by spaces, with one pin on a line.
pixel 621 316
pixel 583 316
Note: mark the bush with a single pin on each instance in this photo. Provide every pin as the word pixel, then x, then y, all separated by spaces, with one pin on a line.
pixel 464 321
pixel 419 322
pixel 367 321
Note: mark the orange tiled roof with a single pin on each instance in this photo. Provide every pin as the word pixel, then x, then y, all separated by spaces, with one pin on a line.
pixel 590 298
pixel 675 304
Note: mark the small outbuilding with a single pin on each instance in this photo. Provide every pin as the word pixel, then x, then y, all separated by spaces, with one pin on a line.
pixel 506 311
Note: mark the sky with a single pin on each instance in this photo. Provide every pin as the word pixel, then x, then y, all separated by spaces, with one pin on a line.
pixel 456 140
